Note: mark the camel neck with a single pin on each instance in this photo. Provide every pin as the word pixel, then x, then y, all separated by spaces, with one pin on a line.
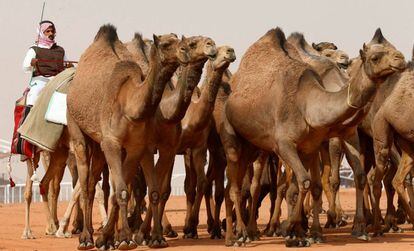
pixel 154 84
pixel 174 106
pixel 330 109
pixel 205 105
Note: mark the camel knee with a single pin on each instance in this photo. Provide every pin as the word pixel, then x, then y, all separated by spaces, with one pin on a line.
pixel 122 197
pixel 397 183
pixel 316 191
pixel 154 197
pixel 232 154
pixel 360 180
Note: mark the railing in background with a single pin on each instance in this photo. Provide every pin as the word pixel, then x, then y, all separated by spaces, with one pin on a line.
pixel 10 195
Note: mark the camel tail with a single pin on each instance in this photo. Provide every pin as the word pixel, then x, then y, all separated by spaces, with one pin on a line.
pixel 108 33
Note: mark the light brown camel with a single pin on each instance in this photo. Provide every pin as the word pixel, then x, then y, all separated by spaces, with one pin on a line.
pixel 110 104
pixel 167 125
pixel 294 125
pixel 49 186
pixel 391 125
pixel 193 138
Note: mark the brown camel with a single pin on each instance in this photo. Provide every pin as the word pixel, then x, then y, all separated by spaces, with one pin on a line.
pixel 167 124
pixel 295 125
pixel 193 138
pixel 110 104
pixel 391 125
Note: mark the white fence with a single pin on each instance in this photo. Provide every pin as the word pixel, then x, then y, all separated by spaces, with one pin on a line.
pixel 10 195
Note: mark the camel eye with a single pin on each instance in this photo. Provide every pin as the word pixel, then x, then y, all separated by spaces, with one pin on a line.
pixel 192 45
pixel 375 59
pixel 328 55
pixel 165 45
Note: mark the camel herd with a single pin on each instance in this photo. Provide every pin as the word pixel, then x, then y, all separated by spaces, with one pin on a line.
pixel 280 125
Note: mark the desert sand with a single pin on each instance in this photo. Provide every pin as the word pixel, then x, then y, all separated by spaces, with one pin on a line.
pixel 12 223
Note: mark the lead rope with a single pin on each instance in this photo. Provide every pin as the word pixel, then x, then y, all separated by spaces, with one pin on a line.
pixel 34 177
pixel 9 170
pixel 348 101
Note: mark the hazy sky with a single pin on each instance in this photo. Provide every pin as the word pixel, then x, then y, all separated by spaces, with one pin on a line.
pixel 236 23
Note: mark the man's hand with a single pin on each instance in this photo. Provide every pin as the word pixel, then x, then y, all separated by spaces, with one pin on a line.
pixel 69 65
pixel 33 62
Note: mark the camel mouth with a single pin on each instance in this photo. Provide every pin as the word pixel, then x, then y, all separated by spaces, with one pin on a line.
pixel 230 59
pixel 343 65
pixel 397 68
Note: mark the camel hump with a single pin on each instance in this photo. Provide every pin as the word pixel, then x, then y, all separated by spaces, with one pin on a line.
pixel 107 33
pixel 139 42
pixel 278 37
pixel 299 38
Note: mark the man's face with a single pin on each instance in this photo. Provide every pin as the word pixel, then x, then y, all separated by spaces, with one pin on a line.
pixel 50 33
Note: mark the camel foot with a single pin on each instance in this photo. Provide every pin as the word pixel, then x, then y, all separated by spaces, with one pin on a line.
pixel 105 243
pixel 362 237
pixel 396 229
pixel 169 232
pixel 51 229
pixel 27 234
pixel 85 246
pixel 296 242
pixel 253 236
pixel 126 245
pixel 142 239
pixel 215 233
pixel 76 230
pixel 63 234
pixel 401 216
pixel 158 243
pixel 190 233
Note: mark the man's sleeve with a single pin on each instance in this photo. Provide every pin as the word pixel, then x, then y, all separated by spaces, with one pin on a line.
pixel 28 59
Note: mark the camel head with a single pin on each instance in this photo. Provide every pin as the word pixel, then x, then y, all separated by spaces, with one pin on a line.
pixel 323 46
pixel 338 56
pixel 380 58
pixel 225 56
pixel 171 49
pixel 201 48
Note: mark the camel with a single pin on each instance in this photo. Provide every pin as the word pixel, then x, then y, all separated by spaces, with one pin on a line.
pixel 110 104
pixel 193 138
pixel 167 125
pixel 295 125
pixel 391 125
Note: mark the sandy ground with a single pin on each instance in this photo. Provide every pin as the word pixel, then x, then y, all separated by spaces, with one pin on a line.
pixel 12 223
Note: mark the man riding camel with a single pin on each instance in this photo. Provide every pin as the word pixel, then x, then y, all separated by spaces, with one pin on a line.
pixel 44 60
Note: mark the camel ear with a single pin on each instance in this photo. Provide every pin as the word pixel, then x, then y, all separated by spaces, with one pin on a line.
pixel 314 46
pixel 412 55
pixel 183 38
pixel 378 37
pixel 362 52
pixel 175 35
pixel 156 40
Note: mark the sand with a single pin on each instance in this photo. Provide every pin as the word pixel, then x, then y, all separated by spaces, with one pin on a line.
pixel 12 223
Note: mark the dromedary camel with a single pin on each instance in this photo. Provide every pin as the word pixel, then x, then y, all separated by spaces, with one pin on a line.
pixel 110 104
pixel 294 125
pixel 391 125
pixel 167 125
pixel 193 138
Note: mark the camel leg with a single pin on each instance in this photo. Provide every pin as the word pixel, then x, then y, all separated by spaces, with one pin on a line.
pixel 316 191
pixel 217 165
pixel 383 140
pixel 139 186
pixel 288 153
pixel 198 164
pixel 209 199
pixel 190 191
pixel 152 176
pixel 99 196
pixel 271 189
pixel 274 223
pixel 63 223
pixel 58 163
pixel 79 147
pixel 27 232
pixel 404 168
pixel 164 169
pixel 258 167
pixel 326 172
pixel 168 231
pixel 352 152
